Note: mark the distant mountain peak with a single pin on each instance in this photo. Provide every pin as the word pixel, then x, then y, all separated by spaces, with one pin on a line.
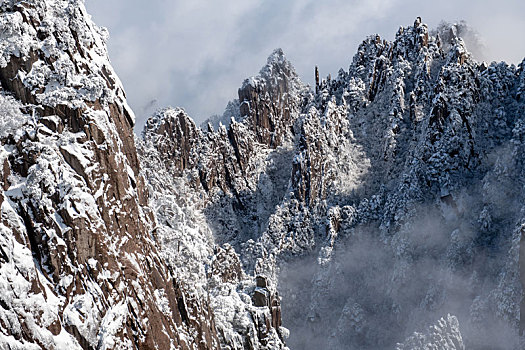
pixel 277 56
pixel 280 82
pixel 382 183
pixel 277 67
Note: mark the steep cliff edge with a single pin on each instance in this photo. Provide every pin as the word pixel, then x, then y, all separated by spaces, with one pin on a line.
pixel 78 268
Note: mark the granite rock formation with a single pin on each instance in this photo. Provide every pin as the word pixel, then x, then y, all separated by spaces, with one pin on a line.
pixel 354 215
pixel 78 267
pixel 385 200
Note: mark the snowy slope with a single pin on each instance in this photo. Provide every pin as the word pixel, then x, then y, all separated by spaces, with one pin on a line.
pixel 209 190
pixel 386 200
pixel 359 214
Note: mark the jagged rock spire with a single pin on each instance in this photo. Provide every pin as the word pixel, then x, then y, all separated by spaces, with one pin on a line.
pixel 271 100
pixel 316 80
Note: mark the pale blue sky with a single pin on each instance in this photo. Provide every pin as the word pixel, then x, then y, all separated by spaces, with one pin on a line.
pixel 195 54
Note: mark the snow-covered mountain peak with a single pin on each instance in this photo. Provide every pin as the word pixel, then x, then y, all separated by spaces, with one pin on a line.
pixel 363 198
pixel 277 67
pixel 386 199
pixel 165 116
pixel 276 78
pixel 277 57
pixel 271 101
pixel 451 35
pixel 417 45
pixel 65 54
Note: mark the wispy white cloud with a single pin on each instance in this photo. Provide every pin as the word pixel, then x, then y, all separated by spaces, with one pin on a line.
pixel 196 53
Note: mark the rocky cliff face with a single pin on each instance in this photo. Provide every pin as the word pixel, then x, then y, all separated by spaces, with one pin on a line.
pixel 387 199
pixel 357 215
pixel 212 190
pixel 78 267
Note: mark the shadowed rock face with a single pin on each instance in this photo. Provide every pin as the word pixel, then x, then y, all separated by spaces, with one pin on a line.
pixel 73 199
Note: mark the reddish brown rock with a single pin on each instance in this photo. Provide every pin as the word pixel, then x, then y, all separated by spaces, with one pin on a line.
pixel 267 104
pixel 227 265
pixel 111 233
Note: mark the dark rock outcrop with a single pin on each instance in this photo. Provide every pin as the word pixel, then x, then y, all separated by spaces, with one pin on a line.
pixel 78 204
pixel 270 100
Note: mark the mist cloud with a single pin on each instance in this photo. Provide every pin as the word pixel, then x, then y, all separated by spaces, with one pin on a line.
pixel 196 54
